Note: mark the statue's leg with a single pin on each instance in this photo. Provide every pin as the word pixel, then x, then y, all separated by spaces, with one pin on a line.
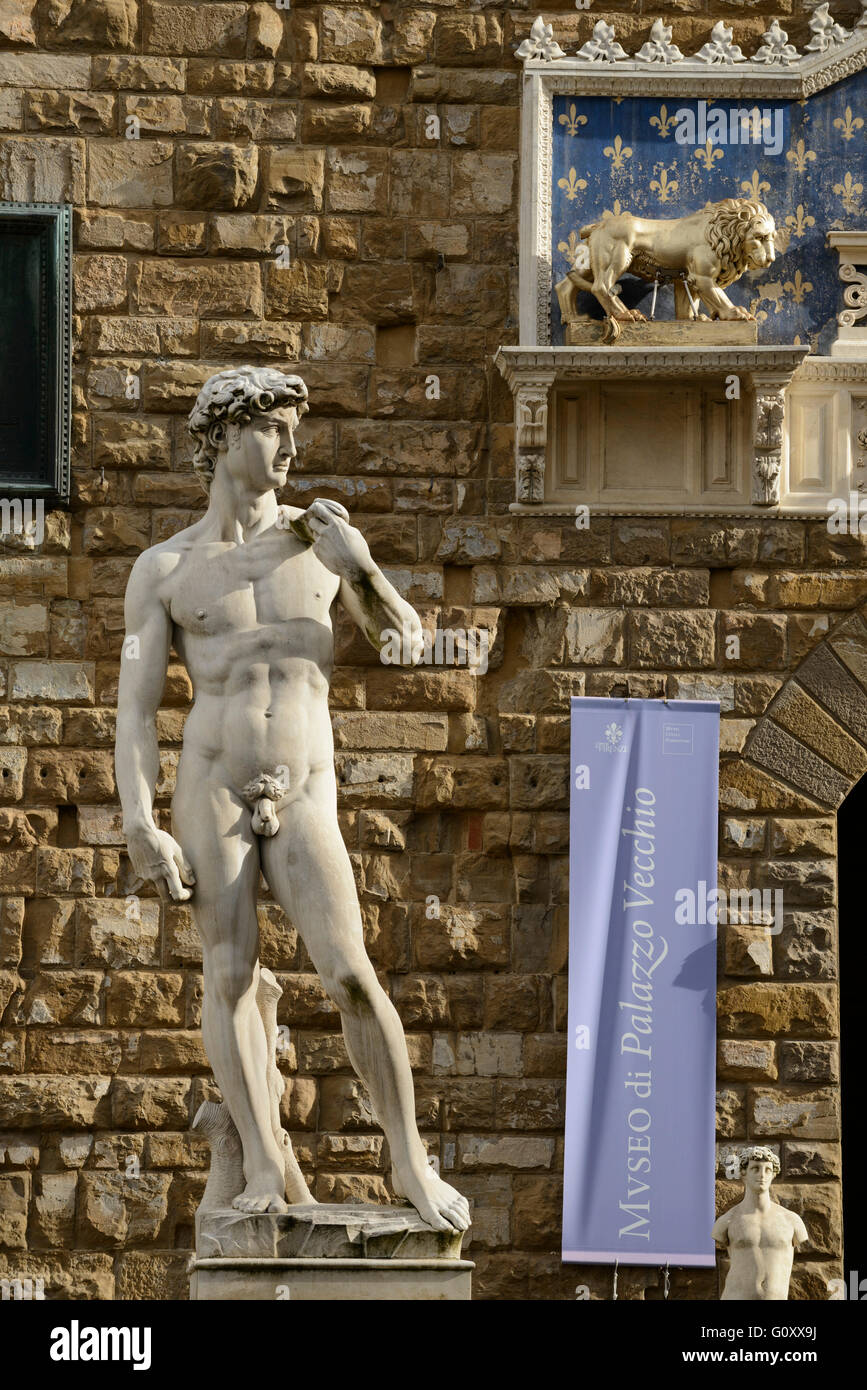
pixel 614 257
pixel 309 873
pixel 718 301
pixel 213 826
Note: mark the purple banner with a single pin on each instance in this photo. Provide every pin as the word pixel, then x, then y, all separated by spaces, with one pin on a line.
pixel 639 1161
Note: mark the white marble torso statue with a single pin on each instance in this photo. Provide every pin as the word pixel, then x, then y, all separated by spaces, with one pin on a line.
pixel 759 1236
pixel 246 600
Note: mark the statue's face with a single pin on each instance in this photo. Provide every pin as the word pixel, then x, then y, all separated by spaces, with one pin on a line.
pixel 759 246
pixel 759 1175
pixel 259 455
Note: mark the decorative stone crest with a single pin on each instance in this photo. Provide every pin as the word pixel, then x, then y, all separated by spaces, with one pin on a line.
pixel 719 48
pixel 775 50
pixel 826 32
pixel 659 48
pixel 541 43
pixel 603 47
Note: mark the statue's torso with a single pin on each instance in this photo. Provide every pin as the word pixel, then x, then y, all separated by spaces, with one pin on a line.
pixel 761 1249
pixel 252 624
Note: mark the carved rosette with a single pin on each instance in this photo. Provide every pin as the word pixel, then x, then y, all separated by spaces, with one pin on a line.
pixel 530 477
pixel 768 448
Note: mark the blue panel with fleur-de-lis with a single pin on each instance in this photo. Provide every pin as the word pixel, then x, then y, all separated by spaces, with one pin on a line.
pixel 805 160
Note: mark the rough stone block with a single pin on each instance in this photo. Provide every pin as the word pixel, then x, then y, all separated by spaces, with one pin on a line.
pixel 214 175
pixel 41 170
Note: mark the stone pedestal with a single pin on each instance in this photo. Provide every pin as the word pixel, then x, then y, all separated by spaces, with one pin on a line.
pixel 665 332
pixel 326 1252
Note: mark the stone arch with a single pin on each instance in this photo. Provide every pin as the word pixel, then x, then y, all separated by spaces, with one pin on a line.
pixel 778 1015
pixel 813 734
pixel 809 748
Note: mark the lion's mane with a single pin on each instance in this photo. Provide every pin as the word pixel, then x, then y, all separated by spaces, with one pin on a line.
pixel 728 230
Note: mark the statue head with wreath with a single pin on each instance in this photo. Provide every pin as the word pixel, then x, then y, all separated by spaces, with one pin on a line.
pixel 247 415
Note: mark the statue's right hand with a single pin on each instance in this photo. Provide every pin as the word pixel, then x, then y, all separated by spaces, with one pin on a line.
pixel 157 855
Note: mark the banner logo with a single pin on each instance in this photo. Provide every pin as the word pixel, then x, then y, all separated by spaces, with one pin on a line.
pixel 613 739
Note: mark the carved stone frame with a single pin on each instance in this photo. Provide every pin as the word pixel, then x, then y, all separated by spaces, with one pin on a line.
pixel 718 70
pixel 543 79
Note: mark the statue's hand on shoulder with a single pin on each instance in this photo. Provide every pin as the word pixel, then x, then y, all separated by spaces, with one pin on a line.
pixel 156 855
pixel 341 547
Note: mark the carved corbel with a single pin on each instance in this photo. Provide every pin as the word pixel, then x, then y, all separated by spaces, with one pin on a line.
pixel 855 295
pixel 851 340
pixel 531 438
pixel 768 443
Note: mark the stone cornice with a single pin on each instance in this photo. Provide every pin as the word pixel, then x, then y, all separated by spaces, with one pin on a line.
pixel 831 369
pixel 518 365
pixel 602 67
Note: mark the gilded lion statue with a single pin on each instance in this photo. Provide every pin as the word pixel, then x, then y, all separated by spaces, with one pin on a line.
pixel 699 254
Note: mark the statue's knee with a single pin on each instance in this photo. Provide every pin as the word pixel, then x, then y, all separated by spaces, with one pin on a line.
pixel 229 980
pixel 354 992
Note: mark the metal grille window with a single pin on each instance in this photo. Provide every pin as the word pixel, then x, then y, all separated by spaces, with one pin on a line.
pixel 35 350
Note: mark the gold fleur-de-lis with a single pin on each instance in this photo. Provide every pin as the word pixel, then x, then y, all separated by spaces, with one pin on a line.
pixel 663 121
pixel 849 191
pixel 752 124
pixel 613 212
pixel 572 186
pixel 573 120
pixel 664 187
pixel 572 248
pixel 799 156
pixel 848 124
pixel 618 152
pixel 799 221
pixel 754 187
pixel 708 154
pixel 798 287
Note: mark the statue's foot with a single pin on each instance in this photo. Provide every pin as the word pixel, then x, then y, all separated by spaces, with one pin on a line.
pixel 261 1195
pixel 435 1201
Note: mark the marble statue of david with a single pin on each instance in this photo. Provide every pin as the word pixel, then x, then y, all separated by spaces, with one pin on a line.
pixel 245 595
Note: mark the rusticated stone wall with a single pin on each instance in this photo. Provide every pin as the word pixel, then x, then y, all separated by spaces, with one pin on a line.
pixel 260 129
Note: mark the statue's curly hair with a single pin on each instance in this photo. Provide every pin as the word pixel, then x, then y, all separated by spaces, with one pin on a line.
pixel 759 1154
pixel 235 396
pixel 728 229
